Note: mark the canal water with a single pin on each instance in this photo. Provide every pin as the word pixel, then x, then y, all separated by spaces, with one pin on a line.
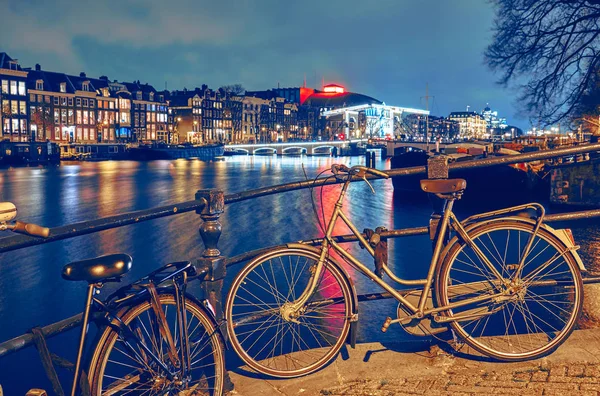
pixel 32 292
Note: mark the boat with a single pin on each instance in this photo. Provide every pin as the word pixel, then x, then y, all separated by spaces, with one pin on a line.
pixel 93 151
pixel 503 184
pixel 170 152
pixel 29 153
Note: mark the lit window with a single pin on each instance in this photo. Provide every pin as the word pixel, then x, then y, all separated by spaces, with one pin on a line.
pixel 63 87
pixel 13 87
pixel 4 86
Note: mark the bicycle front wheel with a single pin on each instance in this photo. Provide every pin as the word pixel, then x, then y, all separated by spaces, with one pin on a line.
pixel 119 366
pixel 278 344
pixel 529 314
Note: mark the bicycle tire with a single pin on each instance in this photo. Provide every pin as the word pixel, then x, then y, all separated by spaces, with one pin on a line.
pixel 284 348
pixel 206 352
pixel 529 323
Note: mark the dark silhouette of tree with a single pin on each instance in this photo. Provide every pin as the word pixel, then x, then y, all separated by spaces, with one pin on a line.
pixel 234 89
pixel 550 49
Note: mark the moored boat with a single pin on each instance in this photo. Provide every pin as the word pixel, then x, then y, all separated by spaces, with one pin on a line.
pixel 145 153
pixel 503 184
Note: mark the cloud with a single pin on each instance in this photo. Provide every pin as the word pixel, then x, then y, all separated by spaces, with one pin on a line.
pixel 387 49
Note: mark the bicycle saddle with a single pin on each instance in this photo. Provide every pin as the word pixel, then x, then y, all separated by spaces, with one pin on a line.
pixel 443 186
pixel 98 269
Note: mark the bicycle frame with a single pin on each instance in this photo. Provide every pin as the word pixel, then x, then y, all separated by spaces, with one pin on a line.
pixel 448 219
pixel 107 312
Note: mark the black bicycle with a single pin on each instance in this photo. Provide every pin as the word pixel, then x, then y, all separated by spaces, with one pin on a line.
pixel 153 338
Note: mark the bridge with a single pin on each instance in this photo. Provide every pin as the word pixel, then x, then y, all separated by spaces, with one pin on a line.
pixel 308 148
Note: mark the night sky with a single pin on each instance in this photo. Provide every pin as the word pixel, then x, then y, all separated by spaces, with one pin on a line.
pixel 388 49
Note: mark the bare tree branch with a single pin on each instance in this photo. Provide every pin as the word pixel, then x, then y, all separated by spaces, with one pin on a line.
pixel 549 49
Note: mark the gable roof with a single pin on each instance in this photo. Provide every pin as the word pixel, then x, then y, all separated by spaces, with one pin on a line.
pixel 5 62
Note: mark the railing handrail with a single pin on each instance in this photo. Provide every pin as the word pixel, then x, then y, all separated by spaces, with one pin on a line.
pixel 105 223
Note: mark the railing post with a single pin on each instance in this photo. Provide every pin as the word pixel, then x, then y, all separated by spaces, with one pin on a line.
pixel 210 231
pixel 437 168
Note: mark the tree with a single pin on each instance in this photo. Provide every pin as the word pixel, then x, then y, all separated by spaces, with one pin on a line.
pixel 550 49
pixel 234 89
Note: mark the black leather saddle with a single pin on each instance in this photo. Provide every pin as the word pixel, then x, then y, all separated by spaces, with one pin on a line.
pixel 98 269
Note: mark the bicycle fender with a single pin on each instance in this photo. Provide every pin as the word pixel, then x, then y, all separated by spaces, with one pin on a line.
pixel 560 234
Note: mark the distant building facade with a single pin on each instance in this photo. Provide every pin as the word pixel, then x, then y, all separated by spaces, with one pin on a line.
pixel 14 109
pixel 471 124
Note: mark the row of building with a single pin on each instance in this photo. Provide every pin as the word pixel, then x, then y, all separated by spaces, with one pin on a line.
pixel 40 105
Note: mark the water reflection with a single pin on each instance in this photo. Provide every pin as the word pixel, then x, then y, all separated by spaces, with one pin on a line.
pixel 30 282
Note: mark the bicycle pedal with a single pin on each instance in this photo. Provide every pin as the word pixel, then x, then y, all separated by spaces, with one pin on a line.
pixel 386 324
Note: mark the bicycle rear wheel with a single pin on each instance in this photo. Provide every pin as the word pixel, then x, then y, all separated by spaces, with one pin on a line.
pixel 537 311
pixel 264 338
pixel 119 367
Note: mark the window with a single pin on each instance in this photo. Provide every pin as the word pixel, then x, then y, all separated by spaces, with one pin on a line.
pixel 32 97
pixel 86 117
pixel 22 89
pixel 40 98
pixel 63 87
pixel 85 103
pixel 56 117
pixel 78 101
pixel 39 85
pixel 112 105
pixel 14 107
pixel 4 86
pixel 151 95
pixel 63 116
pixel 71 118
pixel 86 134
pixel 100 104
pixel 13 87
pixel 23 107
pixel 70 101
pixel 47 99
pixel 79 134
pixel 85 86
pixel 92 116
pixel 91 102
pixel 78 120
pixel 15 125
pixel 63 101
pixel 138 95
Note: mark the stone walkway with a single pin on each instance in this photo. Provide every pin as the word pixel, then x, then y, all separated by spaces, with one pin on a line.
pixel 561 379
pixel 410 369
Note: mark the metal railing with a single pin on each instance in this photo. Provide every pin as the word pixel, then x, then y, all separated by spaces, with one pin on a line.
pixel 210 204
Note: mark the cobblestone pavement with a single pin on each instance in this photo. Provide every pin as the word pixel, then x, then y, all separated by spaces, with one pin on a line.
pixel 535 379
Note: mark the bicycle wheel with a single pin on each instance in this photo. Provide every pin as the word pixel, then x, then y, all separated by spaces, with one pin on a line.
pixel 120 367
pixel 255 309
pixel 537 310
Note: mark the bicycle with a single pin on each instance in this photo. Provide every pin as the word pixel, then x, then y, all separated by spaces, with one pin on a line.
pixel 508 285
pixel 153 338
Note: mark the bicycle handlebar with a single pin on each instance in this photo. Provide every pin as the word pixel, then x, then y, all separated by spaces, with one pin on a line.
pixel 341 168
pixel 30 229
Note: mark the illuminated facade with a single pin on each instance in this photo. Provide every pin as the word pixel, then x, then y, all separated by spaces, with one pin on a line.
pixel 492 120
pixel 366 121
pixel 14 113
pixel 471 124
